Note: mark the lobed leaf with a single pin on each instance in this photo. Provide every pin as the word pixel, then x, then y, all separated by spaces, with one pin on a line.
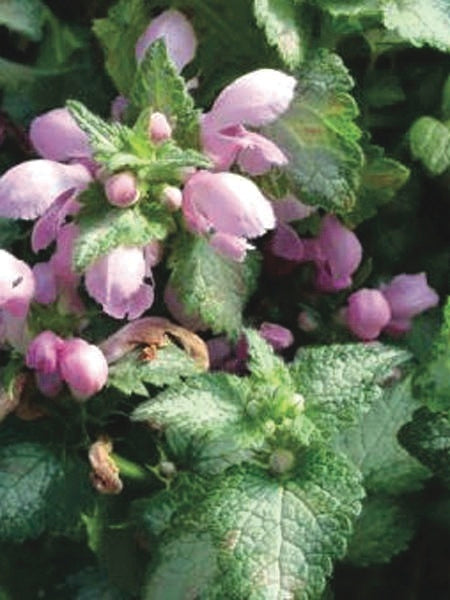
pixel 373 447
pixel 24 16
pixel 249 535
pixel 340 382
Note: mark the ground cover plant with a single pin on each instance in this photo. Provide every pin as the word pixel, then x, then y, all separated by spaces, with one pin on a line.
pixel 224 322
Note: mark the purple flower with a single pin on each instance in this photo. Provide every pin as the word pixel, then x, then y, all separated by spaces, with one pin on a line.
pixel 43 352
pixel 255 99
pixel 229 208
pixel 177 33
pixel 367 314
pixel 50 384
pixel 16 285
pixel 121 189
pixel 408 296
pixel 337 254
pixel 117 282
pixel 83 367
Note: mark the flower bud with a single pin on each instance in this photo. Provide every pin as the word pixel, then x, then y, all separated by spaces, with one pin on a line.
pixel 83 367
pixel 172 198
pixel 277 336
pixel 50 384
pixel 43 352
pixel 367 314
pixel 159 128
pixel 121 189
pixel 306 321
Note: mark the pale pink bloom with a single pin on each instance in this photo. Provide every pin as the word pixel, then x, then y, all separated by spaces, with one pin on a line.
pixel 117 282
pixel 29 189
pixel 121 189
pixel 46 228
pixel 67 280
pixel 159 128
pixel 277 336
pixel 225 203
pixel 55 135
pixel 285 243
pixel 83 367
pixel 367 314
pixel 14 331
pixel 177 33
pixel 408 296
pixel 229 245
pixel 255 99
pixel 16 285
pixel 43 352
pixel 338 254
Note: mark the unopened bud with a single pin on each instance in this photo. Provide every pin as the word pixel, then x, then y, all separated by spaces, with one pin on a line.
pixel 306 321
pixel 83 367
pixel 42 352
pixel 172 198
pixel 167 468
pixel 121 189
pixel 159 128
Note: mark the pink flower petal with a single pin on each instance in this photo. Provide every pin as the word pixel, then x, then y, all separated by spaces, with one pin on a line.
pixel 55 135
pixel 258 154
pixel 27 190
pixel 230 246
pixel 409 295
pixel 226 203
pixel 286 243
pixel 254 99
pixel 46 228
pixel 83 367
pixel 277 336
pixel 46 288
pixel 16 285
pixel 116 281
pixel 177 33
pixel 340 247
pixel 289 209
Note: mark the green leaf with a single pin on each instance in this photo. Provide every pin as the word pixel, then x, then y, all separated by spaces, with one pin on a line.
pixel 373 447
pixel 432 382
pixel 285 28
pixel 38 491
pixel 131 373
pixel 24 16
pixel 210 286
pixel 118 34
pixel 341 382
pixel 320 137
pixel 104 227
pixel 383 529
pixel 427 437
pixel 350 8
pixel 158 86
pixel 381 178
pixel 429 141
pixel 91 584
pixel 419 21
pixel 247 535
pixel 263 363
pixel 205 422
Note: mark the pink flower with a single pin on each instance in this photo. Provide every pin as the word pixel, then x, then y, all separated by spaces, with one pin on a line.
pixel 50 384
pixel 177 33
pixel 285 243
pixel 43 352
pixel 255 99
pixel 337 254
pixel 290 209
pixel 83 367
pixel 408 296
pixel 55 135
pixel 117 282
pixel 228 207
pixel 16 285
pixel 118 107
pixel 367 314
pixel 121 189
pixel 46 290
